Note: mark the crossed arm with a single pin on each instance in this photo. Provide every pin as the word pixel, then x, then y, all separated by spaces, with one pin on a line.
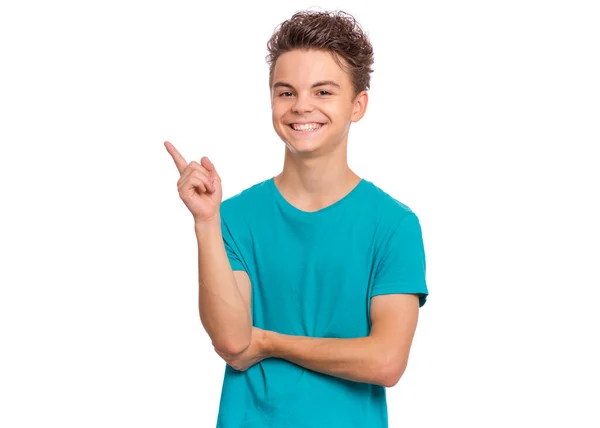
pixel 379 358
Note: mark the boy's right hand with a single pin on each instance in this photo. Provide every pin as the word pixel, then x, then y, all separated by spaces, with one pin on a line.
pixel 199 186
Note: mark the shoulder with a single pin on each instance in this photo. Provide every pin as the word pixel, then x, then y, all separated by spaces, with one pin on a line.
pixel 389 210
pixel 246 201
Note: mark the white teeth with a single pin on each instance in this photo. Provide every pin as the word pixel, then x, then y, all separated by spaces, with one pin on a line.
pixel 306 126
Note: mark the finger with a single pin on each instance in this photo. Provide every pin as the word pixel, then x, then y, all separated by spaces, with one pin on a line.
pixel 196 166
pixel 179 160
pixel 194 184
pixel 206 163
pixel 192 168
pixel 198 180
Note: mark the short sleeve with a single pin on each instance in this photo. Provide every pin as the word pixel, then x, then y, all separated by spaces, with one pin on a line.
pixel 232 250
pixel 400 267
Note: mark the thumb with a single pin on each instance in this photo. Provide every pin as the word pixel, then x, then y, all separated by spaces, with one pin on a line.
pixel 206 163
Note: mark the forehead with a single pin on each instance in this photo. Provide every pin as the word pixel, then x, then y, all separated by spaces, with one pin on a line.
pixel 304 67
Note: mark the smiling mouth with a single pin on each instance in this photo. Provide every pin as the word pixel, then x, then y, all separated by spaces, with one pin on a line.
pixel 307 127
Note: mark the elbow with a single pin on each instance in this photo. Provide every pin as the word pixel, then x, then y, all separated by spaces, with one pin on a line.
pixel 391 379
pixel 231 341
pixel 391 372
pixel 234 348
pixel 231 347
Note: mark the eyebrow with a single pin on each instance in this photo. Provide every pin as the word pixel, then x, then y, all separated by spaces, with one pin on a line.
pixel 321 83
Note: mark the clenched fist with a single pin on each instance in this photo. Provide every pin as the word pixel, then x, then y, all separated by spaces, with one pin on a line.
pixel 199 186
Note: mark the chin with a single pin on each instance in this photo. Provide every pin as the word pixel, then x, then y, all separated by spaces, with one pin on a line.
pixel 304 148
pixel 300 149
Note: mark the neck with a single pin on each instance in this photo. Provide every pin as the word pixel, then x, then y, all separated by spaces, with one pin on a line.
pixel 312 183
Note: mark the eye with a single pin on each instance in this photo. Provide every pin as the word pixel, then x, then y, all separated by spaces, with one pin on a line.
pixel 285 94
pixel 324 92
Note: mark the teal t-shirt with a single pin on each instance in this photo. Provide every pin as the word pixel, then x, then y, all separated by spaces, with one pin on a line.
pixel 313 274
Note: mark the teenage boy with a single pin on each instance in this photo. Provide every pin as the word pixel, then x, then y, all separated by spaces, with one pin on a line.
pixel 310 281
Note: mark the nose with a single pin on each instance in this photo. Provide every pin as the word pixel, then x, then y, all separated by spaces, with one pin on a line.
pixel 303 104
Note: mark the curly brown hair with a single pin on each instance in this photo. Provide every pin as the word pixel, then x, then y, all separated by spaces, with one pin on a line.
pixel 335 31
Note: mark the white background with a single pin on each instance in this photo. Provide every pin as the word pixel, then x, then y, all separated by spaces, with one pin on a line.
pixel 484 118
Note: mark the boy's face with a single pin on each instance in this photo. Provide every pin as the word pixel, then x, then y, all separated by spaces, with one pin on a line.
pixel 312 101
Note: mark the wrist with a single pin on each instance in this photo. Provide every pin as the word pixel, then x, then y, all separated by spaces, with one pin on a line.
pixel 269 342
pixel 208 226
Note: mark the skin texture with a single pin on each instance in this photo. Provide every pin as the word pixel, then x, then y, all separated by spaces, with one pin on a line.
pixel 332 103
pixel 316 174
pixel 380 358
pixel 223 296
pixel 199 186
pixel 315 170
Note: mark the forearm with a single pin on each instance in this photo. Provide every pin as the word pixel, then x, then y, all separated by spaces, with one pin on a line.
pixel 361 359
pixel 222 309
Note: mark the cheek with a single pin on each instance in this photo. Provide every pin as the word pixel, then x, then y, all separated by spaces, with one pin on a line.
pixel 335 111
pixel 275 117
pixel 277 111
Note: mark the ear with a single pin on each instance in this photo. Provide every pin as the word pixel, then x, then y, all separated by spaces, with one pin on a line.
pixel 360 106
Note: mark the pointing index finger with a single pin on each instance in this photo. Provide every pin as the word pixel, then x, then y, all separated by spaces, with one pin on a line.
pixel 180 162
